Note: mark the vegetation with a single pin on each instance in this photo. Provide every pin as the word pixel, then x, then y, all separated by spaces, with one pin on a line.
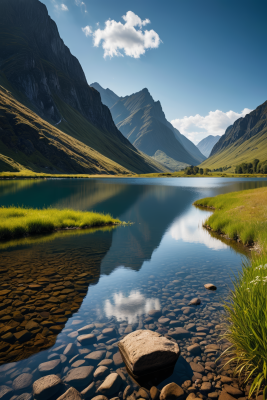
pixel 243 215
pixel 256 167
pixel 170 163
pixel 19 222
pixel 194 170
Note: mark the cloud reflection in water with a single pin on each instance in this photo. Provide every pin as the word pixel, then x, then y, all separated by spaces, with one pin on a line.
pixel 129 308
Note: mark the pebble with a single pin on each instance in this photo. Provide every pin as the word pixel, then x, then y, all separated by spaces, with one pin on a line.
pixel 46 387
pixel 171 391
pixel 110 385
pixel 79 377
pixel 70 394
pixel 22 381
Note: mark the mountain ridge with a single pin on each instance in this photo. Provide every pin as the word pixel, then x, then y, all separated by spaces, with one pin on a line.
pixel 206 145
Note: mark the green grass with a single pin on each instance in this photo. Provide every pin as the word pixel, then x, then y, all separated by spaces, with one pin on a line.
pixel 18 222
pixel 244 215
pixel 240 215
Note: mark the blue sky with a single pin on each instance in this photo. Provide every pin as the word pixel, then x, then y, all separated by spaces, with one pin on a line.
pixel 203 59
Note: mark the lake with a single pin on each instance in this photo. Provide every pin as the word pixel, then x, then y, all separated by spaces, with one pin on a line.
pixel 54 285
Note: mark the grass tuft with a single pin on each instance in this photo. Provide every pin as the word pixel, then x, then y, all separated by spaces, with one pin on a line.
pixel 17 222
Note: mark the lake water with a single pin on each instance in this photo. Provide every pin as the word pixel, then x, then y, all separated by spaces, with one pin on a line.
pixel 51 286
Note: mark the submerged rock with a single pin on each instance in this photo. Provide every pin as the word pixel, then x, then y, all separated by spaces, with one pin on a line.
pixel 145 351
pixel 171 391
pixel 210 286
pixel 110 385
pixel 46 387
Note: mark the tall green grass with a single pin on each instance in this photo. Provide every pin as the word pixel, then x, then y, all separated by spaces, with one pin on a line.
pixel 18 222
pixel 246 311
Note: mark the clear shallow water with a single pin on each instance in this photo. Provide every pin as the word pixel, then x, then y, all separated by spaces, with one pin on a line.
pixel 115 276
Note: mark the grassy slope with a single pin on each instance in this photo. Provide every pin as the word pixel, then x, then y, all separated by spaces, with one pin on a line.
pixel 239 215
pixel 255 147
pixel 18 222
pixel 169 162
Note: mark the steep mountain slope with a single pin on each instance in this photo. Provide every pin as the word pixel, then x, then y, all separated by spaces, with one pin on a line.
pixel 207 144
pixel 245 140
pixel 143 122
pixel 39 68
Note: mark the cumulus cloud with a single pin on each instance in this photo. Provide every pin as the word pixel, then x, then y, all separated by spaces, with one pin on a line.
pixel 215 123
pixel 87 30
pixel 128 37
pixel 63 7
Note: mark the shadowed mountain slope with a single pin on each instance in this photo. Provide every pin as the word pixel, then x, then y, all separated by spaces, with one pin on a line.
pixel 143 122
pixel 40 71
pixel 244 141
pixel 206 144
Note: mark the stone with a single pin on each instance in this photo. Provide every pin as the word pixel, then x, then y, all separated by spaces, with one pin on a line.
pixel 197 367
pixel 195 302
pixel 171 392
pixel 107 362
pixel 46 387
pixel 191 396
pixel 100 398
pixel 111 384
pixel 164 321
pixel 110 332
pixel 23 336
pixel 194 349
pixel 226 379
pixel 50 367
pixel 117 359
pixel 87 339
pixel 79 377
pixel 5 392
pixel 101 372
pixel 225 396
pixel 213 395
pixel 86 329
pixel 154 313
pixel 205 387
pixel 143 394
pixel 70 350
pixel 233 391
pixel 179 333
pixel 95 356
pixel 210 286
pixel 22 381
pixel 70 394
pixel 88 392
pixel 31 325
pixel 23 396
pixel 154 393
pixel 146 351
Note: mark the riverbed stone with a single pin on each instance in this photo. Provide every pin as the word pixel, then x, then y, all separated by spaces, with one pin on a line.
pixel 70 394
pixel 110 385
pixel 50 367
pixel 87 339
pixel 46 387
pixel 86 329
pixel 117 359
pixel 89 391
pixel 179 333
pixel 22 381
pixel 79 377
pixel 145 351
pixel 101 372
pixel 210 286
pixel 194 349
pixel 70 350
pixel 171 391
pixel 154 393
pixel 195 302
pixel 5 392
pixel 197 367
pixel 233 391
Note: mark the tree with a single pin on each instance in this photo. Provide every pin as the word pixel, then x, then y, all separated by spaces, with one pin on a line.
pixel 201 171
pixel 195 169
pixel 255 164
pixel 206 171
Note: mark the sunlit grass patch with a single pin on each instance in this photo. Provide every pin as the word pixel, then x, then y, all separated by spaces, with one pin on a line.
pixel 18 222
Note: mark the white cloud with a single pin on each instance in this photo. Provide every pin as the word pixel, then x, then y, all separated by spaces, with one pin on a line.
pixel 63 7
pixel 129 308
pixel 215 123
pixel 87 30
pixel 80 3
pixel 117 36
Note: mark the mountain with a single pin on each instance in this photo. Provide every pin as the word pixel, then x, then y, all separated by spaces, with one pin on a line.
pixel 143 122
pixel 206 144
pixel 40 72
pixel 243 141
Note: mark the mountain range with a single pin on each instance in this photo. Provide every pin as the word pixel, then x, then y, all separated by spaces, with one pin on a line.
pixel 243 141
pixel 142 121
pixel 206 144
pixel 51 120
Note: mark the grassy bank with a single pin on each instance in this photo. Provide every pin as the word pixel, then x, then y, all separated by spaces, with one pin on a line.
pixel 20 222
pixel 243 215
pixel 240 215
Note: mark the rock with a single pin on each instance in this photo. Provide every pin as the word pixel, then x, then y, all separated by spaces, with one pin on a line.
pixel 213 395
pixel 107 362
pixel 70 394
pixel 164 321
pixel 87 339
pixel 127 392
pixel 191 396
pixel 233 391
pixel 50 367
pixel 88 392
pixel 154 393
pixel 100 398
pixel 46 387
pixel 22 381
pixel 31 325
pixel 210 286
pixel 86 329
pixel 143 394
pixel 110 385
pixel 146 351
pixel 23 396
pixel 179 333
pixel 23 336
pixel 95 356
pixel 101 372
pixel 154 313
pixel 79 377
pixel 205 387
pixel 171 392
pixel 70 350
pixel 225 396
pixel 194 349
pixel 197 367
pixel 226 379
pixel 195 302
pixel 5 392
pixel 117 359
pixel 110 332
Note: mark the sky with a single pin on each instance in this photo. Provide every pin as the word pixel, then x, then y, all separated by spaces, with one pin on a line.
pixel 204 60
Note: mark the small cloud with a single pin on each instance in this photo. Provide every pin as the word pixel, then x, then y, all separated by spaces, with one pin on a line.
pixel 63 7
pixel 80 3
pixel 87 30
pixel 128 37
pixel 197 127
